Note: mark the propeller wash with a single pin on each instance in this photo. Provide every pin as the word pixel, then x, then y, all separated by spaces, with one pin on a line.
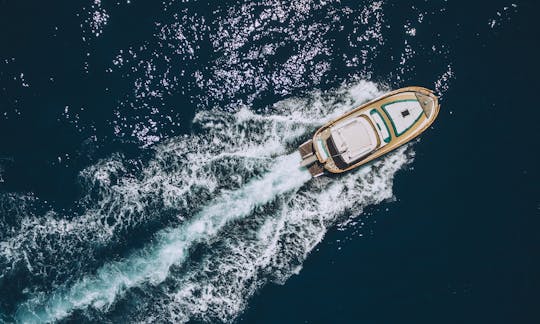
pixel 206 221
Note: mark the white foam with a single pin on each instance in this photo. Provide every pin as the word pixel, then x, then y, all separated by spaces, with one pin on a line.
pixel 152 264
pixel 223 161
pixel 227 156
pixel 273 246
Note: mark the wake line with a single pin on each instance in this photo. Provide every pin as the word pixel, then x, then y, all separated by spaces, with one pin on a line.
pixel 152 263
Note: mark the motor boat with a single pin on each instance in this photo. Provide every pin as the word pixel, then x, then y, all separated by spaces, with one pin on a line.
pixel 370 131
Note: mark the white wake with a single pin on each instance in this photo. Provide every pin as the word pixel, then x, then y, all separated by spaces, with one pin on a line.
pixel 259 221
pixel 152 263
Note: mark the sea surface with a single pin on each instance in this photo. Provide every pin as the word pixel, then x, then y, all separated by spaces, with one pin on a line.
pixel 149 173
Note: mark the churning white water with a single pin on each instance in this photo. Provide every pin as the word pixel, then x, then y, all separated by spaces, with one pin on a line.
pixel 245 215
pixel 171 247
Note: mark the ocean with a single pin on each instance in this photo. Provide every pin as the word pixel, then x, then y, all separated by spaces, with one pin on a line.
pixel 149 173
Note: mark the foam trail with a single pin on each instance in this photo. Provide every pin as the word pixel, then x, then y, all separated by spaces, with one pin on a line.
pixel 269 246
pixel 182 176
pixel 152 263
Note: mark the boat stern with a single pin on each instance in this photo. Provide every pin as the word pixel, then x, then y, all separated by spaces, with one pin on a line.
pixel 310 159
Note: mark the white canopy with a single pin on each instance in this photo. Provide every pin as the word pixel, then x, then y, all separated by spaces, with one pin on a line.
pixel 354 138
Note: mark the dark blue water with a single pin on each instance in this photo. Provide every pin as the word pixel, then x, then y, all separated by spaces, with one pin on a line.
pixel 148 173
